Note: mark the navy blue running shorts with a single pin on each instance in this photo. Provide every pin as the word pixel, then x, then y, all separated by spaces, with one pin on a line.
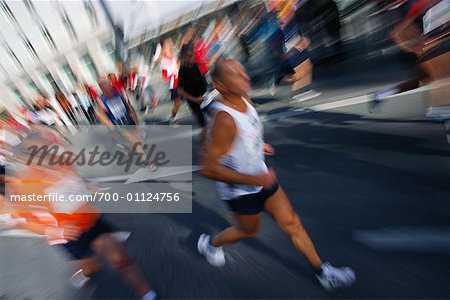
pixel 251 204
pixel 81 248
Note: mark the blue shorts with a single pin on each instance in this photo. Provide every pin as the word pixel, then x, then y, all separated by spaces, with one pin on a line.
pixel 173 94
pixel 251 204
pixel 296 57
pixel 81 248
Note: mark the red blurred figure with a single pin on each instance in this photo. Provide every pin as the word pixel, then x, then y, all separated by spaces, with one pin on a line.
pixel 201 55
pixel 116 83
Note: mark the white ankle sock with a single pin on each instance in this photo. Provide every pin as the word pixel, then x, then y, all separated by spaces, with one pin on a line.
pixel 149 296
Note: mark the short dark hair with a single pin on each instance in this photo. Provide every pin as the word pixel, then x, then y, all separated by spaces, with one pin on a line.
pixel 186 50
pixel 216 71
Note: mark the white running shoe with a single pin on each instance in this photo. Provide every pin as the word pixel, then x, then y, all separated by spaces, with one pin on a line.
pixel 150 296
pixel 78 280
pixel 171 120
pixel 272 88
pixel 121 236
pixel 332 278
pixel 214 255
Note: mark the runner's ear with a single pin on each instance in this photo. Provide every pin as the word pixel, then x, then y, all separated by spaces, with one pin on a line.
pixel 218 84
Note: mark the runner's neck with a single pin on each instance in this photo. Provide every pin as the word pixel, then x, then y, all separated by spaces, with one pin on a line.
pixel 235 102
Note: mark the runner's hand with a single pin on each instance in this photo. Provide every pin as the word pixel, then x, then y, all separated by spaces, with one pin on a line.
pixel 198 100
pixel 71 232
pixel 68 232
pixel 267 180
pixel 268 150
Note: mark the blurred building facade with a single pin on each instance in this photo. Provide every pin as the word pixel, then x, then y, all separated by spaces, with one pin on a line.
pixel 50 45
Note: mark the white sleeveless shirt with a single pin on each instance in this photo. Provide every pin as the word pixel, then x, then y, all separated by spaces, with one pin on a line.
pixel 246 155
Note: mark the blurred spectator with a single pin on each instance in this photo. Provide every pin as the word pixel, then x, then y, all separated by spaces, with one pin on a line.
pixel 192 84
pixel 116 83
pixel 114 110
pixel 47 115
pixel 314 16
pixel 86 106
pixel 132 80
pixel 91 92
pixel 423 34
pixel 170 65
pixel 66 106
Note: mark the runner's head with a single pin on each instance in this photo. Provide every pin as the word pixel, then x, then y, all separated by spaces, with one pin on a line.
pixel 230 78
pixel 40 102
pixel 112 77
pixel 107 89
pixel 187 54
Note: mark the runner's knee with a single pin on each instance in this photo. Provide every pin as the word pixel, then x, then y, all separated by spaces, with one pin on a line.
pixel 119 260
pixel 91 267
pixel 291 224
pixel 250 232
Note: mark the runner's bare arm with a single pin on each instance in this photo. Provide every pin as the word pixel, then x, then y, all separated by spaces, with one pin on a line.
pixel 223 135
pixel 407 36
pixel 101 115
pixel 132 111
pixel 69 232
pixel 189 97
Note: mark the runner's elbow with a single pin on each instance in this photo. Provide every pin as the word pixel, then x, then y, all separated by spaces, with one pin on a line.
pixel 208 171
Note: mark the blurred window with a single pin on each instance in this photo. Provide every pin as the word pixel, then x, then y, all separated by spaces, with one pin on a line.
pixel 33 87
pixel 108 50
pixel 29 47
pixel 48 38
pixel 50 81
pixel 69 77
pixel 19 96
pixel 42 28
pixel 88 63
pixel 7 11
pixel 90 10
pixel 68 25
pixel 2 68
pixel 13 57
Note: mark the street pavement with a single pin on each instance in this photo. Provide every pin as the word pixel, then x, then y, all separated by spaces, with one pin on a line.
pixel 372 189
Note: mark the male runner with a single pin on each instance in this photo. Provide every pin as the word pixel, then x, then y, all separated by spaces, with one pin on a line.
pixel 169 68
pixel 424 33
pixel 192 84
pixel 76 226
pixel 235 159
pixel 114 111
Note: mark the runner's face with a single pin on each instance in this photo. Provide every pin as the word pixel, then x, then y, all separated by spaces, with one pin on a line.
pixel 190 58
pixel 234 79
pixel 40 103
pixel 106 89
